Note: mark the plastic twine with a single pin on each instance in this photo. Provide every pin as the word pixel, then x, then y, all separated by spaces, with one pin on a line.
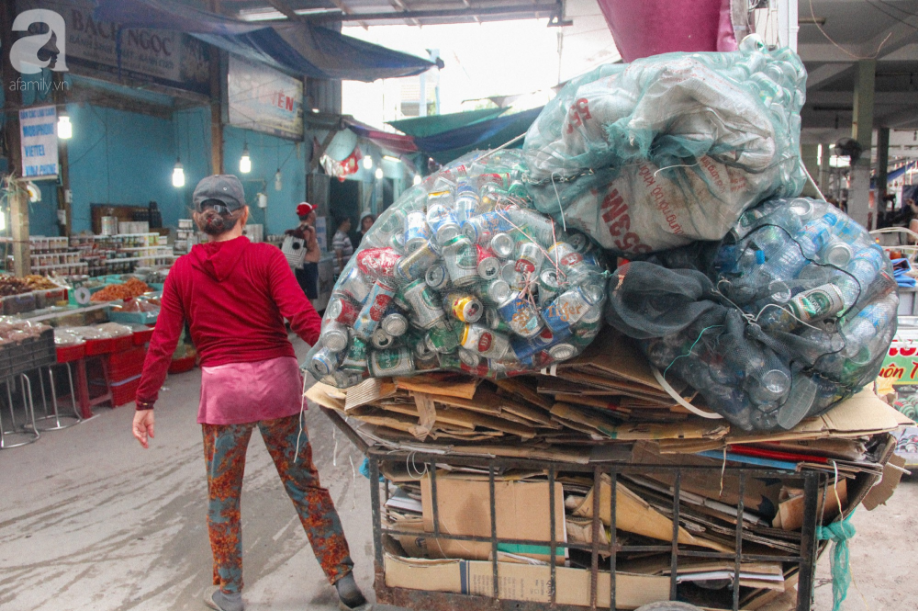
pixel 838 533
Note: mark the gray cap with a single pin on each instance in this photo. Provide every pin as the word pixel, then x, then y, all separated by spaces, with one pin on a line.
pixel 224 188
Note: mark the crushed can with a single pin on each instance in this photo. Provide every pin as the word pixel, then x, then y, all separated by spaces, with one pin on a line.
pixel 461 260
pixel 488 264
pixel 393 362
pixel 464 307
pixel 378 262
pixel 374 309
pixel 424 304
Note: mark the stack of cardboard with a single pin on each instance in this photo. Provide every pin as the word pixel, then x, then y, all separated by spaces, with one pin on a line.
pixel 605 407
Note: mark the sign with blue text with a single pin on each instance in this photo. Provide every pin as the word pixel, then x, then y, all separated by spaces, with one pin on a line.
pixel 38 142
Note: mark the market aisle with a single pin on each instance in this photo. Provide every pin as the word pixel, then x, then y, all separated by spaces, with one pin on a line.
pixel 89 521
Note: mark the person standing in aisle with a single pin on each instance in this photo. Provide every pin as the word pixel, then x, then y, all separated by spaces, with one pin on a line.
pixel 366 223
pixel 235 296
pixel 307 275
pixel 342 245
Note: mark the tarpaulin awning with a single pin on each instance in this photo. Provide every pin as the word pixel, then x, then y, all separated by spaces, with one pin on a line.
pixel 435 124
pixel 395 143
pixel 895 174
pixel 298 48
pixel 448 145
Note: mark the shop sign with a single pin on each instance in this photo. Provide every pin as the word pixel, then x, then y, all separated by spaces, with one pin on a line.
pixel 38 139
pixel 157 56
pixel 901 363
pixel 263 99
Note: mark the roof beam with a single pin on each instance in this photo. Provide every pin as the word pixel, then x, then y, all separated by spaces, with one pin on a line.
pixel 282 7
pixel 535 8
pixel 403 8
pixel 346 11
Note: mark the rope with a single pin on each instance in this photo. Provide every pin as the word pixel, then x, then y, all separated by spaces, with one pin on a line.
pixel 838 533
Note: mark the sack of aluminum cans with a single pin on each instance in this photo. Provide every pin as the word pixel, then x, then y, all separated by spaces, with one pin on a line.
pixel 460 274
pixel 791 313
pixel 669 149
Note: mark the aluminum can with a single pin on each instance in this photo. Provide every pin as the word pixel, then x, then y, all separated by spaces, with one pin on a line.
pixel 484 341
pixel 394 324
pixel 525 348
pixel 488 264
pixel 593 314
pixel 354 285
pixel 579 241
pixel 334 336
pixel 566 310
pixel 515 279
pixel 325 362
pixel 481 228
pixel 533 224
pixel 564 255
pixel 594 292
pixel 390 223
pixel 397 243
pixel 529 259
pixel 521 315
pixel 442 223
pixel 378 262
pixel 398 300
pixel 342 310
pixel 495 292
pixel 469 357
pixel 418 344
pixel 343 379
pixel 424 304
pixel 442 337
pixel 467 202
pixel 374 309
pixel 417 233
pixel 549 286
pixel 494 321
pixel 437 277
pixel 464 307
pixel 502 245
pixel 356 357
pixel 562 351
pixel 449 360
pixel 393 362
pixel 380 339
pixel 461 260
pixel 430 363
pixel 415 265
pixel 584 332
pixel 818 303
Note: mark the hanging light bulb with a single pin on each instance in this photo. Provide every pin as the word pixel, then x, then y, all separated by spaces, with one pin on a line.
pixel 245 162
pixel 379 173
pixel 417 179
pixel 368 162
pixel 278 184
pixel 64 126
pixel 178 174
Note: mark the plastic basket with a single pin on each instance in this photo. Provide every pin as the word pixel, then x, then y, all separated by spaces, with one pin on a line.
pixel 95 347
pixel 67 354
pixel 18 304
pixel 124 392
pixel 142 318
pixel 182 365
pixel 50 297
pixel 143 336
pixel 31 353
pixel 127 364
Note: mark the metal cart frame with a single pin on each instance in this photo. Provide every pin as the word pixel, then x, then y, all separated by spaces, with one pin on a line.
pixel 814 485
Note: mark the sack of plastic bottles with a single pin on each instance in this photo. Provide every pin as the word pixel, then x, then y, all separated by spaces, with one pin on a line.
pixel 791 313
pixel 669 149
pixel 461 274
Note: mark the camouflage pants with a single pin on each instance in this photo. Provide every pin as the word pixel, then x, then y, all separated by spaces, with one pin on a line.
pixel 224 452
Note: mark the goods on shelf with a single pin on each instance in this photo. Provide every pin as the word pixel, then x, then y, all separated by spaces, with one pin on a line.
pixel 24 346
pixel 792 313
pixel 129 290
pixel 671 148
pixel 461 274
pixel 121 253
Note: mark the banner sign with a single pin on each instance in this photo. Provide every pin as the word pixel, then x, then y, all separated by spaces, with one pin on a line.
pixel 38 135
pixel 263 99
pixel 94 48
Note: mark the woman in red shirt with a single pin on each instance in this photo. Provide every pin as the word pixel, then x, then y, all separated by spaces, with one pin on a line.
pixel 235 296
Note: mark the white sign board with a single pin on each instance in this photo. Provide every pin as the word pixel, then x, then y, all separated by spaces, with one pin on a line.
pixel 263 99
pixel 38 135
pixel 322 233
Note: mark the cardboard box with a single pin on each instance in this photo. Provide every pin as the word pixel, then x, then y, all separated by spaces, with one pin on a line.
pixel 523 582
pixel 521 509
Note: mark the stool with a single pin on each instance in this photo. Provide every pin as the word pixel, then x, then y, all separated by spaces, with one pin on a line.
pixel 86 401
pixel 56 417
pixel 30 436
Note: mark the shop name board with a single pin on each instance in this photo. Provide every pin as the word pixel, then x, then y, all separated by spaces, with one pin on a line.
pixel 263 99
pixel 164 57
pixel 38 142
pixel 901 363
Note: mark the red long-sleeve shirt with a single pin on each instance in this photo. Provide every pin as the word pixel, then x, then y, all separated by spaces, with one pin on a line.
pixel 235 296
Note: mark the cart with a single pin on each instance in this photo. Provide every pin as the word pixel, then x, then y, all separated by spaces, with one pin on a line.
pixel 799 564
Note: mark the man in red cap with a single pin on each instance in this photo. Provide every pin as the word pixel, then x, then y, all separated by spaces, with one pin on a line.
pixel 308 274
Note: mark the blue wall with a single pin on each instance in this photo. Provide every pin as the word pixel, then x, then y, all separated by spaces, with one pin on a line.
pixel 268 153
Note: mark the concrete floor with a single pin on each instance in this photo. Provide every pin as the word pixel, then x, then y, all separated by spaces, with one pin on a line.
pixel 90 521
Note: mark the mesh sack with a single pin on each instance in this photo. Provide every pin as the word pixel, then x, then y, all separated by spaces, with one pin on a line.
pixel 461 274
pixel 669 149
pixel 791 313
